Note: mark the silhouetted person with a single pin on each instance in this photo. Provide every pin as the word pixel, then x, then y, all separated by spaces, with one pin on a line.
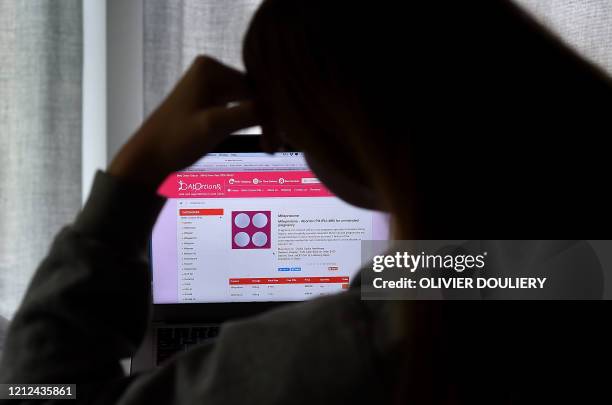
pixel 464 120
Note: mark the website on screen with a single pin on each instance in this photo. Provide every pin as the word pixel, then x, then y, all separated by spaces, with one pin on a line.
pixel 255 227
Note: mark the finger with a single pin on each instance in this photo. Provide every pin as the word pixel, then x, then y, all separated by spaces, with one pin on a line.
pixel 216 123
pixel 230 86
pixel 270 141
pixel 222 82
pixel 264 141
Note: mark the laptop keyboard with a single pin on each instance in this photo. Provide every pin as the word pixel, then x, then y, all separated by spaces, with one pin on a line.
pixel 171 340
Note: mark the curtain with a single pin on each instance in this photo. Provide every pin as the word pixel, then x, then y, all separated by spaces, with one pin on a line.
pixel 176 31
pixel 40 100
pixel 40 135
pixel 585 25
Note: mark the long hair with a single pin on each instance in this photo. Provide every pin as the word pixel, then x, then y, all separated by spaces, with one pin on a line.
pixel 455 113
pixel 444 108
pixel 314 72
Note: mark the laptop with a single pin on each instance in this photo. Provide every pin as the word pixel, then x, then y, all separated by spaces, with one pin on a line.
pixel 243 232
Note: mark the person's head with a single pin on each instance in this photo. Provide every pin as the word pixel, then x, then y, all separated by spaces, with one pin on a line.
pixel 316 78
pixel 443 110
pixel 400 105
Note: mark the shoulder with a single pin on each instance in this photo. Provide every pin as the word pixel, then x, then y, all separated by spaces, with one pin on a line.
pixel 316 350
pixel 337 317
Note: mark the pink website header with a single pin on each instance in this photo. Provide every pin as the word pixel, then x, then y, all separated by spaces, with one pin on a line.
pixel 243 185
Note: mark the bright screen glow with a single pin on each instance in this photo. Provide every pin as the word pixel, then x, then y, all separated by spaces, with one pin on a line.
pixel 255 227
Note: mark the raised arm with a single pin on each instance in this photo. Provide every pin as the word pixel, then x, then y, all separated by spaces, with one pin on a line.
pixel 88 304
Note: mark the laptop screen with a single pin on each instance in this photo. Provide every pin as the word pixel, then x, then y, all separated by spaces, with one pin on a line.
pixel 240 227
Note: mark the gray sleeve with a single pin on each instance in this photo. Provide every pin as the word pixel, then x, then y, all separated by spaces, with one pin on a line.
pixel 89 301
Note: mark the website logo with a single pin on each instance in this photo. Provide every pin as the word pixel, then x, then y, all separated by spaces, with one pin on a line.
pixel 183 186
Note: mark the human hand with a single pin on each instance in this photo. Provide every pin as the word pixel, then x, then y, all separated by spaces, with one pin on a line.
pixel 189 123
